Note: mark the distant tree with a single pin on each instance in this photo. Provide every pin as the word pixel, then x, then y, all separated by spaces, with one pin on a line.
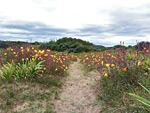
pixel 3 45
pixel 129 46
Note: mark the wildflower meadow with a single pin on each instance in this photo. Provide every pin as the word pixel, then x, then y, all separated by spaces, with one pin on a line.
pixel 29 73
pixel 122 72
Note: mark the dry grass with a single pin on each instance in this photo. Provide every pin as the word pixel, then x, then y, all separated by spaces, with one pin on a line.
pixel 29 96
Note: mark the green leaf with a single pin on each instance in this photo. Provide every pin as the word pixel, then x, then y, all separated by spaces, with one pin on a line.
pixel 144 103
pixel 145 88
pixel 39 65
pixel 141 99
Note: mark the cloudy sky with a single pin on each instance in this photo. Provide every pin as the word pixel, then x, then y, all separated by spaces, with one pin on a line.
pixel 103 22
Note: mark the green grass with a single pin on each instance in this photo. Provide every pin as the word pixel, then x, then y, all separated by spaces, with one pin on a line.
pixel 116 105
pixel 30 96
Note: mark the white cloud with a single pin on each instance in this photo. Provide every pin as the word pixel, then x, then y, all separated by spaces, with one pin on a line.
pixel 4 30
pixel 64 13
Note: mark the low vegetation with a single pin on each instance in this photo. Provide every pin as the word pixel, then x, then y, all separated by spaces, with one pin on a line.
pixel 121 72
pixel 30 76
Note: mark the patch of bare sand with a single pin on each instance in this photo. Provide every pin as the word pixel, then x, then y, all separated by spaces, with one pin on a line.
pixel 78 95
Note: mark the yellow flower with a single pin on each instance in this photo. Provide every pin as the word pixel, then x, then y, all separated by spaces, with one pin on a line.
pixel 11 49
pixel 83 61
pixel 105 75
pixel 66 67
pixel 87 58
pixel 139 63
pixel 32 47
pixel 112 65
pixel 5 53
pixel 36 55
pixel 44 68
pixel 21 47
pixel 102 62
pixel 147 51
pixel 64 70
pixel 27 59
pixel 61 61
pixel 124 69
pixel 107 65
pixel 28 50
pixel 48 50
pixel 8 48
pixel 46 55
pixel 22 59
pixel 56 69
pixel 41 51
pixel 14 53
pixel 35 51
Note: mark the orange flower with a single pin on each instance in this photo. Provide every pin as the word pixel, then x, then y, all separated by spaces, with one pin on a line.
pixel 112 65
pixel 124 69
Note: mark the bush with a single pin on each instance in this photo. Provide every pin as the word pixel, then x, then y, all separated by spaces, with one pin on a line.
pixel 3 45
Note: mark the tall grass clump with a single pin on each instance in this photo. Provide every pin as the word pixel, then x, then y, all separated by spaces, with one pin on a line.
pixel 26 70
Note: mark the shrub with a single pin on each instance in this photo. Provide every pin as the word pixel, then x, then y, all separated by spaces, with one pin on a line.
pixel 27 70
pixel 3 45
pixel 7 71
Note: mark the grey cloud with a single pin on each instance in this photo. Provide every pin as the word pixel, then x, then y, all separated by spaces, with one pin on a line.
pixel 35 30
pixel 130 22
pixel 125 22
pixel 93 29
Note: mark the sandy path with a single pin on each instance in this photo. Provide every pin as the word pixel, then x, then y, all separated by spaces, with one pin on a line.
pixel 78 95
